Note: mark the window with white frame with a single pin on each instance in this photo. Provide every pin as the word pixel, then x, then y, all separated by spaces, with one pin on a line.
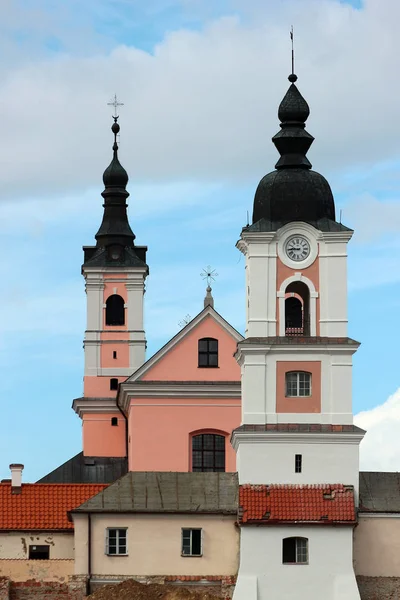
pixel 298 383
pixel 116 541
pixel 295 551
pixel 192 542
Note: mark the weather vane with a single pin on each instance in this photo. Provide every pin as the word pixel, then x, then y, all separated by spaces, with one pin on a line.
pixel 115 104
pixel 185 321
pixel 209 274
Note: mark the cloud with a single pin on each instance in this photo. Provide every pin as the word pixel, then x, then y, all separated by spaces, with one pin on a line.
pixel 203 105
pixel 380 450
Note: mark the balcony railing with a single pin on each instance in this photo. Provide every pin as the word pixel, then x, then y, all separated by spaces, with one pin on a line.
pixel 293 331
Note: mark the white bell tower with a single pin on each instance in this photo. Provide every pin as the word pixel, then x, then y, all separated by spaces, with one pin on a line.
pixel 297 448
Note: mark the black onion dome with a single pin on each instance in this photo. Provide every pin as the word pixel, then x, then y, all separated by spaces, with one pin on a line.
pixel 293 192
pixel 293 195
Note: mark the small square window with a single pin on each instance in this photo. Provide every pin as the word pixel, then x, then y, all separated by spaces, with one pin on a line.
pixel 114 383
pixel 116 542
pixel 191 542
pixel 114 421
pixel 39 552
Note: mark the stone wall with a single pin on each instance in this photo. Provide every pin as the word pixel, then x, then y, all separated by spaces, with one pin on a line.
pixel 379 588
pixel 219 585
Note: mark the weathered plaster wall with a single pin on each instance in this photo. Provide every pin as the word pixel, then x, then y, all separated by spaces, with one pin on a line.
pixel 154 545
pixel 40 570
pixel 15 545
pixel 377 547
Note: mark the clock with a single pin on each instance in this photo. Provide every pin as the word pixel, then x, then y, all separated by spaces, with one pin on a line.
pixel 297 248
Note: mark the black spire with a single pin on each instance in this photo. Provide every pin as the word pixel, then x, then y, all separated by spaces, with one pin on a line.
pixel 293 192
pixel 115 238
pixel 115 228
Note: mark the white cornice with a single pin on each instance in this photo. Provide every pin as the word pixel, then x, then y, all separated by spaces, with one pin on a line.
pixel 336 236
pixel 293 437
pixel 378 515
pixel 130 391
pixel 94 406
pixel 258 236
pixel 297 349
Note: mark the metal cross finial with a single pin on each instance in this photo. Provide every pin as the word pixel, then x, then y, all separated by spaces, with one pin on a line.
pixel 209 274
pixel 291 37
pixel 115 104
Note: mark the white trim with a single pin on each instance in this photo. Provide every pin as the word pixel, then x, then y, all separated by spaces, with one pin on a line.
pixel 376 515
pixel 192 404
pixel 298 276
pixel 207 312
pixel 84 406
pixel 293 437
pixel 129 391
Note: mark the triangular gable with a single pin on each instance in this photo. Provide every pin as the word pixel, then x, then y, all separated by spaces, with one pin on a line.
pixel 177 359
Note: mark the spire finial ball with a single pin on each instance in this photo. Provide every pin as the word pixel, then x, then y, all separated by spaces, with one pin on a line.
pixel 292 77
pixel 115 128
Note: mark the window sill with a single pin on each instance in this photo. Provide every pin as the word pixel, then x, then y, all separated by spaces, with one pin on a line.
pixel 191 555
pixel 296 564
pixel 116 555
pixel 208 366
pixel 309 396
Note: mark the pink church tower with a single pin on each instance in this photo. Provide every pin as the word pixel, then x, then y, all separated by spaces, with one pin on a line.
pixel 115 270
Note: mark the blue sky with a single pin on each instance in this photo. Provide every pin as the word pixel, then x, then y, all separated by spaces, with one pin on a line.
pixel 200 82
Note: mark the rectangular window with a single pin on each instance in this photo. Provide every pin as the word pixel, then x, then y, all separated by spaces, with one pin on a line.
pixel 298 459
pixel 39 552
pixel 298 384
pixel 116 542
pixel 191 542
pixel 114 354
pixel 208 352
pixel 295 551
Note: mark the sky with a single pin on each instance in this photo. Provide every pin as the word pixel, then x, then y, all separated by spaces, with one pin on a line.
pixel 201 81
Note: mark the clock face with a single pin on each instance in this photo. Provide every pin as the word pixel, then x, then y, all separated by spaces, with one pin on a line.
pixel 297 248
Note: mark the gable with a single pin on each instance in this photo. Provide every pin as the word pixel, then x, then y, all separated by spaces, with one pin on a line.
pixel 180 361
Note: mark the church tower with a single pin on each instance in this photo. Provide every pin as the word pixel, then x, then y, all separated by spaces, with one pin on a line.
pixel 114 270
pixel 297 448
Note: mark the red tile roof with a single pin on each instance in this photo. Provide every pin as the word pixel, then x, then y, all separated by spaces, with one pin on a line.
pixel 274 504
pixel 42 505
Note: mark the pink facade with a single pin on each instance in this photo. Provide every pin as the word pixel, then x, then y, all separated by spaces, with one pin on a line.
pixel 161 427
pixel 181 362
pixel 161 431
pixel 101 437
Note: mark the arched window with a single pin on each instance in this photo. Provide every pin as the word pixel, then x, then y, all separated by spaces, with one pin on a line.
pixel 298 383
pixel 208 352
pixel 114 421
pixel 115 310
pixel 113 383
pixel 295 551
pixel 297 309
pixel 208 453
